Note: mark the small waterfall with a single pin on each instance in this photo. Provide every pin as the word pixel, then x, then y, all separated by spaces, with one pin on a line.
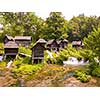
pixel 49 54
pixel 74 61
pixel 9 64
pixel 1 58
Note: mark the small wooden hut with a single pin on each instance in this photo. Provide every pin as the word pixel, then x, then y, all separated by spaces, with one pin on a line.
pixel 23 40
pixel 8 38
pixel 62 43
pixel 38 51
pixel 52 45
pixel 77 44
pixel 11 49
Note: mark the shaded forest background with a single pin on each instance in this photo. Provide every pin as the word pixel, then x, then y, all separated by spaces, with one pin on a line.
pixel 53 27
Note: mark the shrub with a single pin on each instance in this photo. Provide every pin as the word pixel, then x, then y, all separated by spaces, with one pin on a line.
pixel 1 45
pixel 1 48
pixel 82 76
pixel 96 72
pixel 59 60
pixel 63 55
pixel 24 50
pixel 1 51
pixel 87 54
pixel 93 65
pixel 94 69
pixel 27 69
pixel 26 60
pixel 2 64
pixel 18 61
pixel 45 56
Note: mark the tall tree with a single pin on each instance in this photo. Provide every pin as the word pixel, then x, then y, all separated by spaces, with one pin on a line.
pixel 55 26
pixel 92 42
pixel 80 26
pixel 73 29
pixel 21 23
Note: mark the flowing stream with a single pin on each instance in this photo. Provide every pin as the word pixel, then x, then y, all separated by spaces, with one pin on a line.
pixel 74 61
pixel 67 75
pixel 1 58
pixel 49 54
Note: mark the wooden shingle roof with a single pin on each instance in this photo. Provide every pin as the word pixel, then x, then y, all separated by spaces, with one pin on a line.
pixel 50 41
pixel 11 44
pixel 9 37
pixel 65 40
pixel 23 38
pixel 76 43
pixel 41 41
pixel 59 41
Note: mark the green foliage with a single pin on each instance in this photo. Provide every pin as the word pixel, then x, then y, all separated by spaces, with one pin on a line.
pixel 27 60
pixel 1 45
pixel 2 64
pixel 27 69
pixel 20 60
pixel 55 26
pixel 93 65
pixel 74 52
pixel 80 26
pixel 21 23
pixel 96 72
pixel 87 54
pixel 25 50
pixel 45 56
pixel 1 51
pixel 1 48
pixel 82 76
pixel 94 69
pixel 63 55
pixel 92 42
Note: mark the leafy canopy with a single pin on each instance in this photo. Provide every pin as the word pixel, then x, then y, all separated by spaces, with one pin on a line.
pixel 92 42
pixel 56 26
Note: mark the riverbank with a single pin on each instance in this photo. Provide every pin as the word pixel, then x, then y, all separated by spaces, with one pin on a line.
pixel 51 75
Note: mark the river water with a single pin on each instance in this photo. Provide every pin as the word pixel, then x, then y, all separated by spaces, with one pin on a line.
pixel 1 58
